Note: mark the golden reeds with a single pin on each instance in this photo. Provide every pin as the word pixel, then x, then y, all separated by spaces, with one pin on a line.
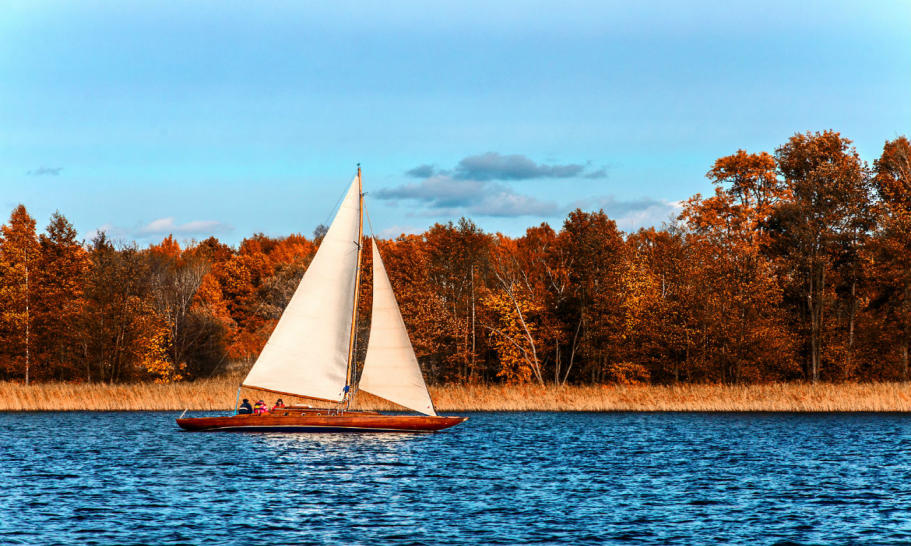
pixel 218 394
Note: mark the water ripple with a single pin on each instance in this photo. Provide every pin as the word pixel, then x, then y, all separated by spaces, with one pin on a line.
pixel 134 478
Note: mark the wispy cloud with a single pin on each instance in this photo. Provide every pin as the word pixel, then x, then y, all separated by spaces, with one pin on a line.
pixel 596 174
pixel 476 186
pixel 394 231
pixel 421 171
pixel 112 232
pixel 495 166
pixel 437 192
pixel 504 202
pixel 507 167
pixel 165 226
pixel 45 171
pixel 631 214
pixel 161 227
pixel 443 194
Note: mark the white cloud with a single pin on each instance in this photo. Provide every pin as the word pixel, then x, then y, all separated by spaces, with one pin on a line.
pixel 166 226
pixel 633 214
pixel 443 195
pixel 505 202
pixel 161 227
pixel 392 232
pixel 112 232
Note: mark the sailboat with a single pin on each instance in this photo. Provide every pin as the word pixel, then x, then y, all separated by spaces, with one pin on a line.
pixel 311 352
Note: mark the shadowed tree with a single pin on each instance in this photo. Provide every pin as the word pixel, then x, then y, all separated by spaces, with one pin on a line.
pixel 175 278
pixel 596 277
pixel 667 336
pixel 891 249
pixel 827 185
pixel 123 337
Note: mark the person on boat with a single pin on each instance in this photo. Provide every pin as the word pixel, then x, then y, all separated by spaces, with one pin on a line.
pixel 260 408
pixel 278 405
pixel 245 408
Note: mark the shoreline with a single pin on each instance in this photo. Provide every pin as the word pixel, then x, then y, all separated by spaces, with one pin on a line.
pixel 218 394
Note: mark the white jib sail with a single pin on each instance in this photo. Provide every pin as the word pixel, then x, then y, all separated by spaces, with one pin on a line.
pixel 307 353
pixel 391 369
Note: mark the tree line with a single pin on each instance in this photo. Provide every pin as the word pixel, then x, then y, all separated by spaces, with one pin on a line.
pixel 798 267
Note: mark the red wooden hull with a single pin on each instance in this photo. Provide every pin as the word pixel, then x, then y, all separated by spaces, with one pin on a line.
pixel 315 421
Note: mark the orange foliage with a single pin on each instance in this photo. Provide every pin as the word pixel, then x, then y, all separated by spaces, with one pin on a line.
pixel 797 266
pixel 514 336
pixel 18 256
pixel 168 247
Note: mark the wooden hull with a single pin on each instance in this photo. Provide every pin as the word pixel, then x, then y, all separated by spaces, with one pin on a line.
pixel 311 421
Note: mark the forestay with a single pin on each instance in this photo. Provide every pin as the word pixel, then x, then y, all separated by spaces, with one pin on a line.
pixel 307 353
pixel 391 370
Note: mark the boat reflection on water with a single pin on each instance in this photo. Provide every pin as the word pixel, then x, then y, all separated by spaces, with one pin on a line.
pixel 343 456
pixel 339 442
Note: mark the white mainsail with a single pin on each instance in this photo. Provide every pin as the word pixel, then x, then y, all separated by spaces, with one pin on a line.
pixel 391 369
pixel 307 353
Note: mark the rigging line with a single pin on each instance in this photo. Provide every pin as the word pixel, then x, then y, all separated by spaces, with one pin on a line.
pixel 369 223
pixel 334 207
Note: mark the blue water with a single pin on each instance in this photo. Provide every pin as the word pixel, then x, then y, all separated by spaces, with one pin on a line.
pixel 507 478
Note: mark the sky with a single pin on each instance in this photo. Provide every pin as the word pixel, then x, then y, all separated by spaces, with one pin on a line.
pixel 229 118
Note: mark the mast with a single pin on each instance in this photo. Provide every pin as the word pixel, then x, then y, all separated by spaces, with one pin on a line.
pixel 352 343
pixel 309 350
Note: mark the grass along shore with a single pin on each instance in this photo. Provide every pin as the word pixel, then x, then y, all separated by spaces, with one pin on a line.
pixel 218 394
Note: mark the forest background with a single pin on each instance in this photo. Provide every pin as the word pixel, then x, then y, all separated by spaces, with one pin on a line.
pixel 797 268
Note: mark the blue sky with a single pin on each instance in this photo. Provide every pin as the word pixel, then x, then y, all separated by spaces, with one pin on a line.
pixel 229 118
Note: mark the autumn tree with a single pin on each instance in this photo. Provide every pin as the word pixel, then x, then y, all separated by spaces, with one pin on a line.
pixel 515 303
pixel 122 335
pixel 60 272
pixel 212 250
pixel 544 260
pixel 240 278
pixel 213 326
pixel 801 259
pixel 256 283
pixel 18 256
pixel 739 313
pixel 827 187
pixel 289 259
pixel 458 257
pixel 666 313
pixel 595 276
pixel 891 249
pixel 175 276
pixel 640 304
pixel 425 308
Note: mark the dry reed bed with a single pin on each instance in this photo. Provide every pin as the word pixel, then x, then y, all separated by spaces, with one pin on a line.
pixel 218 394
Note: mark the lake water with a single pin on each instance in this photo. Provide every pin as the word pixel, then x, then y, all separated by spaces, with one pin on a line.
pixel 505 478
